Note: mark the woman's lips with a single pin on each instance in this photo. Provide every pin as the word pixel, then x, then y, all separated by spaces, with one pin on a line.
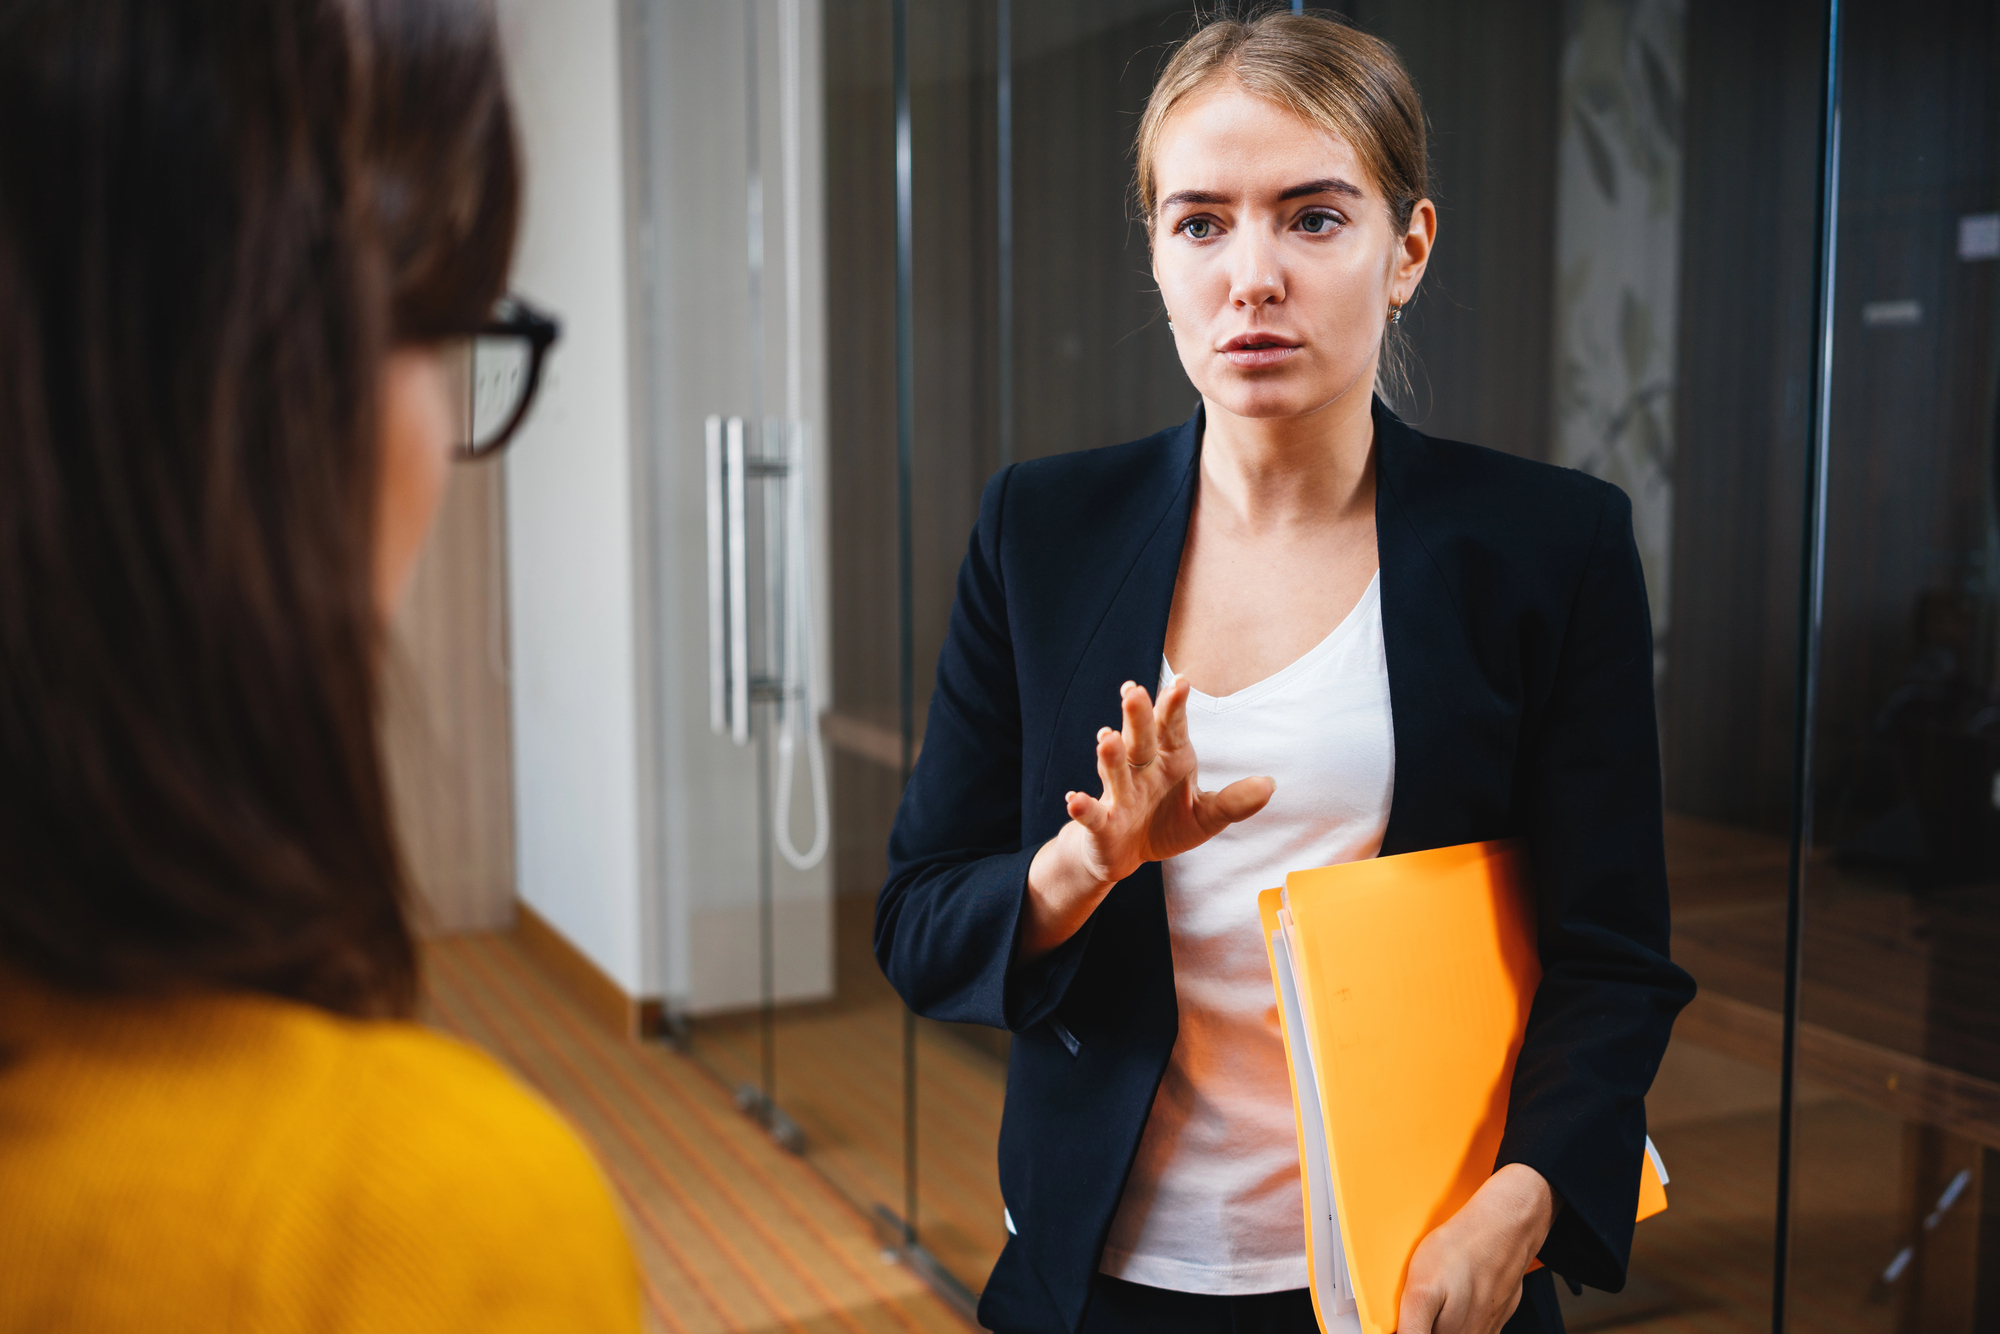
pixel 1257 353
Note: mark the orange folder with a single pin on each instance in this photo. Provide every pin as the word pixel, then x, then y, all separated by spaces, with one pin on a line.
pixel 1403 988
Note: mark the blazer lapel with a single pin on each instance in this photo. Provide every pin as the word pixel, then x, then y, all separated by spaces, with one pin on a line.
pixel 1423 633
pixel 1130 635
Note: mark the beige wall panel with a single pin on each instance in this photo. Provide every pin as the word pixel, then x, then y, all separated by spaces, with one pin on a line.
pixel 446 725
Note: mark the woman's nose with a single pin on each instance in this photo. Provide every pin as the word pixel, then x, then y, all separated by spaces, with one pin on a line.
pixel 1256 277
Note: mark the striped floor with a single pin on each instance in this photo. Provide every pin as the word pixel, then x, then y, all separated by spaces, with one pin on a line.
pixel 840 1077
pixel 733 1234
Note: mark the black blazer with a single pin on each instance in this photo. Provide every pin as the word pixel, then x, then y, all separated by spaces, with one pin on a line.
pixel 1521 685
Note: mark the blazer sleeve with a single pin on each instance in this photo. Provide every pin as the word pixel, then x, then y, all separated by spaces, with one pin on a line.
pixel 949 916
pixel 1609 992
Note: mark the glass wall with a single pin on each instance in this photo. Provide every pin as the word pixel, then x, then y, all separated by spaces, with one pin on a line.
pixel 810 1038
pixel 1732 449
pixel 1628 280
pixel 1895 1179
pixel 1593 302
pixel 1031 330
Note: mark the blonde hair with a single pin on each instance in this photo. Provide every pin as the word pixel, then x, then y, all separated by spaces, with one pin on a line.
pixel 1329 75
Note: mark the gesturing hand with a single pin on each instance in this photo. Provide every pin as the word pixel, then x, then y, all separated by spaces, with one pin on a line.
pixel 1150 809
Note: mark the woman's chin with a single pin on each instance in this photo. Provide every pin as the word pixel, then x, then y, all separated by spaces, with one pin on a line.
pixel 1272 400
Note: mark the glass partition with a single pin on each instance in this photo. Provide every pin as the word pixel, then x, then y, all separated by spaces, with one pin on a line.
pixel 792 99
pixel 1035 332
pixel 1626 282
pixel 1895 1185
pixel 1595 301
pixel 1725 596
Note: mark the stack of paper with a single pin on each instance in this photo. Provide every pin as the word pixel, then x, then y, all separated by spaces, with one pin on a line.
pixel 1403 985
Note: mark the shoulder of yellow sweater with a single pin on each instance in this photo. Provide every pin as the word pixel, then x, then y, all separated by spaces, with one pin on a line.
pixel 439 1189
pixel 438 1108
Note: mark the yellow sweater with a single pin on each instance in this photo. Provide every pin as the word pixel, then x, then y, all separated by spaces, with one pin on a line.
pixel 241 1163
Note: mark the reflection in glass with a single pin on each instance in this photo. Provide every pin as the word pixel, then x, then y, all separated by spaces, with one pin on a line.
pixel 1680 364
pixel 1896 1184
pixel 499 371
pixel 1624 284
pixel 1595 301
pixel 494 373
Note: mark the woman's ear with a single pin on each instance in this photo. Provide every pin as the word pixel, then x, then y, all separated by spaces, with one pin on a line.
pixel 1413 255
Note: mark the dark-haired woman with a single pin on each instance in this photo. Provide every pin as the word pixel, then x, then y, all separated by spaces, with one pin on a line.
pixel 237 240
pixel 1376 643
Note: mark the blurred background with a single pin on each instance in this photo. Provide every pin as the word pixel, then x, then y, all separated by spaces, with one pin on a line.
pixel 824 265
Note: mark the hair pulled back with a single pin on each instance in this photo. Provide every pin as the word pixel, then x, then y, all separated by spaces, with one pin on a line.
pixel 217 217
pixel 1329 75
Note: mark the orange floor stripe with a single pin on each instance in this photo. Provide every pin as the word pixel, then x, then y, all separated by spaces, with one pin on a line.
pixel 595 1041
pixel 528 1016
pixel 656 1300
pixel 689 1269
pixel 743 1220
pixel 716 1237
pixel 857 1100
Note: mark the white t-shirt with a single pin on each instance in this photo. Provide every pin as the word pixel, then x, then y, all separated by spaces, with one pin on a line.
pixel 1213 1202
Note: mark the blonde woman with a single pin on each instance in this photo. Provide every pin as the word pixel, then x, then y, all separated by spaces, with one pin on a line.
pixel 1375 643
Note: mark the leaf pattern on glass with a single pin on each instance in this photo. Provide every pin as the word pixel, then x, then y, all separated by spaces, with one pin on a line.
pixel 1598 154
pixel 1665 102
pixel 1617 261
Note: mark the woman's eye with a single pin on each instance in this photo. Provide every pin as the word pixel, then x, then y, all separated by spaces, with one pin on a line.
pixel 1197 229
pixel 1318 224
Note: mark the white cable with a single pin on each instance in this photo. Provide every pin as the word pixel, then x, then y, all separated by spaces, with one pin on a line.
pixel 800 706
pixel 799 714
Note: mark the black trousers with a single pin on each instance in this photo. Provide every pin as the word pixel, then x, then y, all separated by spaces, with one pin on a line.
pixel 1118 1307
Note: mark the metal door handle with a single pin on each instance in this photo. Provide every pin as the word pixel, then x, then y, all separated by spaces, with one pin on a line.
pixel 718 579
pixel 739 583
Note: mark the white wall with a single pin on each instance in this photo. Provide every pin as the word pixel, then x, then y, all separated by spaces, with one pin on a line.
pixel 571 606
pixel 637 828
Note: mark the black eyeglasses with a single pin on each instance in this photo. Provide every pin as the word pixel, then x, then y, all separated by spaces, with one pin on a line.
pixel 500 367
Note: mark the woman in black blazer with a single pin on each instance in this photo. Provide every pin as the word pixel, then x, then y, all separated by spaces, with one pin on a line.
pixel 1281 169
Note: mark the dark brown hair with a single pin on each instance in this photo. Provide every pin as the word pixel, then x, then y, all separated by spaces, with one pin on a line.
pixel 216 219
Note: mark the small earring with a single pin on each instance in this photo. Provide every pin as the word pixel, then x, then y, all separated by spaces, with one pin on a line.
pixel 1396 313
pixel 1170 326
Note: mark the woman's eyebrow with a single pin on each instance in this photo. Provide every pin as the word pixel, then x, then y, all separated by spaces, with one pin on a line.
pixel 1180 197
pixel 1326 185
